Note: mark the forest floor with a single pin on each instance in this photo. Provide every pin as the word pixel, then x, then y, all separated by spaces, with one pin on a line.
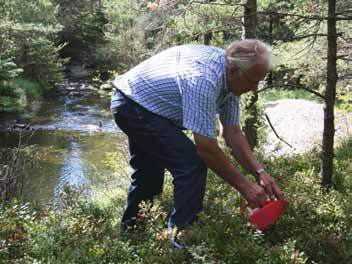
pixel 300 123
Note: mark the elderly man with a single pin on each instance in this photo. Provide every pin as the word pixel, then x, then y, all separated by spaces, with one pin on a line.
pixel 185 87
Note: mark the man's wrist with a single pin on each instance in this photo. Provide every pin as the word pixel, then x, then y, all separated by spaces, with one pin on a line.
pixel 259 171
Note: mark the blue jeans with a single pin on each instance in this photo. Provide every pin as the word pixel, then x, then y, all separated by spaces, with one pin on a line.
pixel 156 144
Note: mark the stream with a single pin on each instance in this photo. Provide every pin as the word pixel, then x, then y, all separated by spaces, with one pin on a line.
pixel 73 137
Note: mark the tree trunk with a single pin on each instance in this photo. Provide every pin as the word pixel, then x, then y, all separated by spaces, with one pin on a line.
pixel 271 40
pixel 330 95
pixel 208 35
pixel 207 38
pixel 249 28
pixel 250 100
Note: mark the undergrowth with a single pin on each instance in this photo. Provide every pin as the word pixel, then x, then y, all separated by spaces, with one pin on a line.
pixel 316 227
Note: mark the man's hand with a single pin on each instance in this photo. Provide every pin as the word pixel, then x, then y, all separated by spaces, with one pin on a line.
pixel 236 140
pixel 215 159
pixel 255 195
pixel 270 186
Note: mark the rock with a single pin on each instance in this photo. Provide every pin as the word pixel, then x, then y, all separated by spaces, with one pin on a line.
pixel 93 128
pixel 77 71
pixel 107 86
pixel 22 126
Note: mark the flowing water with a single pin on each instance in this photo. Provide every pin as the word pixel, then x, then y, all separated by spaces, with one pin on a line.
pixel 74 141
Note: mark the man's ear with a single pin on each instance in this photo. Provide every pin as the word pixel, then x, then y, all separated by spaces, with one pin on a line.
pixel 231 68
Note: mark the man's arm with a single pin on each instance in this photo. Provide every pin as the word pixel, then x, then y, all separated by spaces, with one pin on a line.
pixel 215 159
pixel 238 143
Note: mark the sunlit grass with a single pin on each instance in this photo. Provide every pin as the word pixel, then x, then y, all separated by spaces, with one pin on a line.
pixel 278 94
pixel 275 94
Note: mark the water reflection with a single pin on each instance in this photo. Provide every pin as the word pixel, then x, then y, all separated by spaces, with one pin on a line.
pixel 62 157
pixel 73 139
pixel 71 173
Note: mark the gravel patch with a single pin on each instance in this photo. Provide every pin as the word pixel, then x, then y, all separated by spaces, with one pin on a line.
pixel 300 123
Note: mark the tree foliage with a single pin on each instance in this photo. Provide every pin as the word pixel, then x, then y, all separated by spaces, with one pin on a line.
pixel 8 71
pixel 28 38
pixel 83 29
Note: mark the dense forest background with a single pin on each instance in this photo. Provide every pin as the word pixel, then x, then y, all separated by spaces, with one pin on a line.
pixel 38 38
pixel 41 41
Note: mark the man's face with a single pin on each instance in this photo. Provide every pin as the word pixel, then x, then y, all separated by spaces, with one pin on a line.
pixel 244 81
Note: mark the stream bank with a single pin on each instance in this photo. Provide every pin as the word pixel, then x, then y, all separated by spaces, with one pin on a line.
pixel 71 135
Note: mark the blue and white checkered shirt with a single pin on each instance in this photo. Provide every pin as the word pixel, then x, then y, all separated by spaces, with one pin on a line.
pixel 186 84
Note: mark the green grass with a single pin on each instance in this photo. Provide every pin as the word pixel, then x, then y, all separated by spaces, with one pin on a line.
pixel 278 94
pixel 343 103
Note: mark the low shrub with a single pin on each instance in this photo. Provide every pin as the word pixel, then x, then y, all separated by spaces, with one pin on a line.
pixel 12 165
pixel 316 227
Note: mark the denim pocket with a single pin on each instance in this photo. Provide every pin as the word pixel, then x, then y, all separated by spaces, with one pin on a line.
pixel 129 110
pixel 139 112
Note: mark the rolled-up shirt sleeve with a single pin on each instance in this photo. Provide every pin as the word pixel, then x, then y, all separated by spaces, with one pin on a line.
pixel 199 107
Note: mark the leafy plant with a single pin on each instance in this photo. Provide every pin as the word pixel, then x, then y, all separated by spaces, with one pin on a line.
pixel 315 228
pixel 8 71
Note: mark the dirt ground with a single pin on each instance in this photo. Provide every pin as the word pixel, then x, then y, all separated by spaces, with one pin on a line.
pixel 300 123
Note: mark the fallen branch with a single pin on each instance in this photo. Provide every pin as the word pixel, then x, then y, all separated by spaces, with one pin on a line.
pixel 276 134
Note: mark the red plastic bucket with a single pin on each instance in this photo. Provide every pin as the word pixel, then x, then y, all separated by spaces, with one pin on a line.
pixel 266 215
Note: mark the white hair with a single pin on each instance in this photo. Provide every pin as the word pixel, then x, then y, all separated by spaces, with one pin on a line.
pixel 246 53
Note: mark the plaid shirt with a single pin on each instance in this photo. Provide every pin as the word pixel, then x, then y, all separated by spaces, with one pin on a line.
pixel 185 84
